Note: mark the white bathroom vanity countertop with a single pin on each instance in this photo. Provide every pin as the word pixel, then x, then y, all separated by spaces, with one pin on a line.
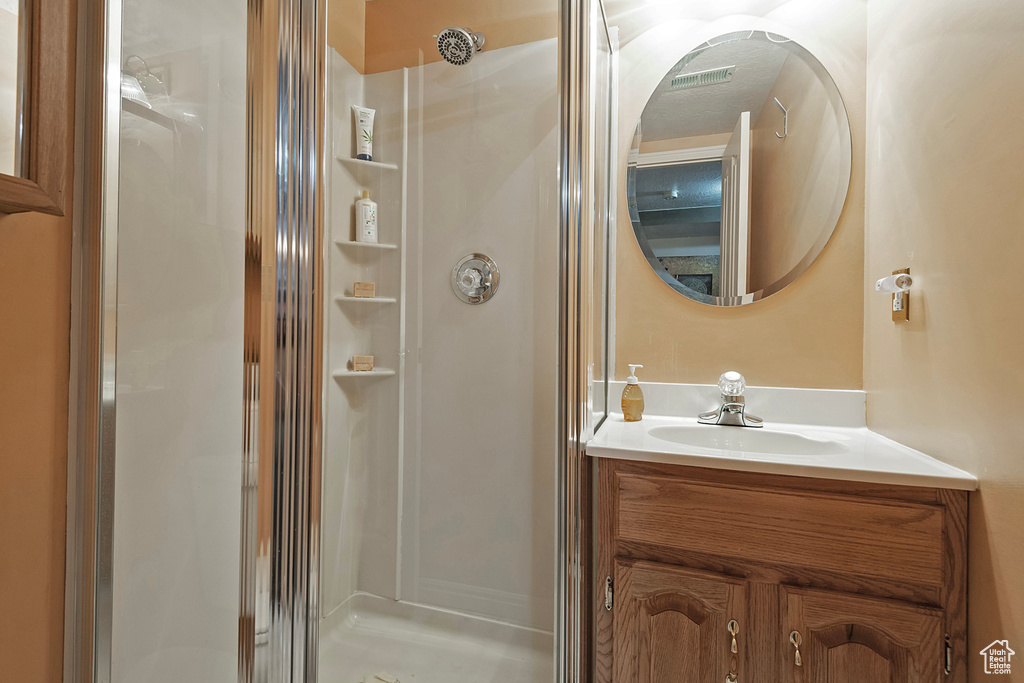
pixel 847 453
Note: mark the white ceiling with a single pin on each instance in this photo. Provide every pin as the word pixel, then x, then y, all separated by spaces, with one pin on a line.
pixel 715 108
pixel 9 6
pixel 634 17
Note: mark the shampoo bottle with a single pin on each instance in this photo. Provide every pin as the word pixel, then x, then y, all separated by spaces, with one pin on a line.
pixel 632 397
pixel 366 219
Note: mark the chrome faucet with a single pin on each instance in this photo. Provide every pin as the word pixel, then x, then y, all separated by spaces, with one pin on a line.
pixel 732 412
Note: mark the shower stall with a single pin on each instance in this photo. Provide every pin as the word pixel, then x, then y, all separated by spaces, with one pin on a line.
pixel 439 463
pixel 262 505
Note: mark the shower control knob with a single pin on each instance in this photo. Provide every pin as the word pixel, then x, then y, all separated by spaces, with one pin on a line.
pixel 475 278
pixel 471 279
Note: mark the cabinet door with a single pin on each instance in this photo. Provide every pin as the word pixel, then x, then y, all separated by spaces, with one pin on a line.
pixel 852 639
pixel 671 625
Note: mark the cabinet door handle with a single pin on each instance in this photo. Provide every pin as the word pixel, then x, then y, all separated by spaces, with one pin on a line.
pixel 794 638
pixel 733 627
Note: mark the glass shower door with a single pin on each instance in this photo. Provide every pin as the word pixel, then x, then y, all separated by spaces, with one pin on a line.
pixel 180 230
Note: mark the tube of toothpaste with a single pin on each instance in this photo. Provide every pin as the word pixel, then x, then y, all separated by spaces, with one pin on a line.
pixel 364 132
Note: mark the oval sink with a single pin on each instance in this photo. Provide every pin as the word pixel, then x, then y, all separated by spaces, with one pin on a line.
pixel 745 439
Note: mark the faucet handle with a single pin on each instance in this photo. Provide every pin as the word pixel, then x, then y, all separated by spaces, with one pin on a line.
pixel 732 383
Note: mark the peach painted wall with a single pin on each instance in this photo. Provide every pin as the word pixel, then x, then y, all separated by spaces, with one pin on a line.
pixel 382 35
pixel 944 197
pixel 35 329
pixel 35 307
pixel 399 33
pixel 794 179
pixel 809 334
pixel 346 30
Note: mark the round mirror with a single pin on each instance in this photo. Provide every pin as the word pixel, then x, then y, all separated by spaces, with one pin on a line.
pixel 739 168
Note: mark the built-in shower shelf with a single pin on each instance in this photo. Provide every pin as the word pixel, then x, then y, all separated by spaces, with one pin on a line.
pixel 365 299
pixel 362 163
pixel 364 374
pixel 364 245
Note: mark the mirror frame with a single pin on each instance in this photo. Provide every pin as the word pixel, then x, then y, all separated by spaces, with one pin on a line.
pixel 846 149
pixel 48 115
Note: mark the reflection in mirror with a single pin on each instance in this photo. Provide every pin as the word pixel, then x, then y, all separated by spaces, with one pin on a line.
pixel 13 62
pixel 739 168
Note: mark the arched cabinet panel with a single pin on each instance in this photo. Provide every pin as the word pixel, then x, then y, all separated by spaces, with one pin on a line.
pixel 852 662
pixel 851 639
pixel 672 624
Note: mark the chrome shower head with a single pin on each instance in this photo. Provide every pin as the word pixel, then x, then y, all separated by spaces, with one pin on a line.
pixel 458 45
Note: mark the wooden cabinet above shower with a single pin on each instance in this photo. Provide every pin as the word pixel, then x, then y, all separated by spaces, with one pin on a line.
pixel 712 575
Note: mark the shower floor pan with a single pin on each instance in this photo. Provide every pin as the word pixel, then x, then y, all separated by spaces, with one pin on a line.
pixel 417 644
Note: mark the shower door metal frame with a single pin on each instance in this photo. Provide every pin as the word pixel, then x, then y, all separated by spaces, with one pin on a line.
pixel 93 354
pixel 283 342
pixel 577 591
pixel 572 634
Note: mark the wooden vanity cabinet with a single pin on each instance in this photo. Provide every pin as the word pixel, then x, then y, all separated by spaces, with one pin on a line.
pixel 867 581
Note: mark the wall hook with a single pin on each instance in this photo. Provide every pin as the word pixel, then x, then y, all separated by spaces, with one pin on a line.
pixel 785 120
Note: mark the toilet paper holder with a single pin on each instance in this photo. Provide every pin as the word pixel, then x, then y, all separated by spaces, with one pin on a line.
pixel 898 284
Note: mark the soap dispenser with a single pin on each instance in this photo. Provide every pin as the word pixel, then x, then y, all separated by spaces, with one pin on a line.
pixel 632 397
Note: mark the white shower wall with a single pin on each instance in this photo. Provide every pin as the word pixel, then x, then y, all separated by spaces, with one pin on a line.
pixel 456 510
pixel 478 528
